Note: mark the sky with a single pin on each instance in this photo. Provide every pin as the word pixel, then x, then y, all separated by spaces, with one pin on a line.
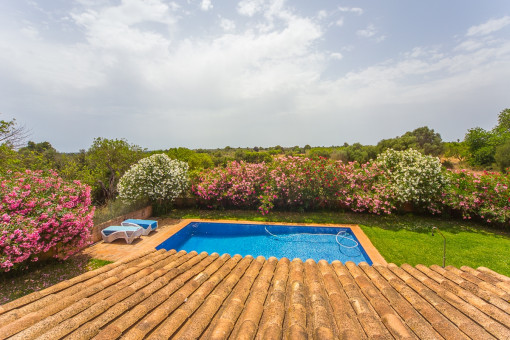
pixel 210 73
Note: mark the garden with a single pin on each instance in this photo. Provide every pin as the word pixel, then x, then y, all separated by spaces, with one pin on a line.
pixel 396 198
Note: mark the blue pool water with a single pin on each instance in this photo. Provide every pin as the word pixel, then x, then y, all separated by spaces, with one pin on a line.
pixel 317 243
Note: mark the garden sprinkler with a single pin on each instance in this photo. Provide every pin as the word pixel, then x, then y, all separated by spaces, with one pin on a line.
pixel 444 244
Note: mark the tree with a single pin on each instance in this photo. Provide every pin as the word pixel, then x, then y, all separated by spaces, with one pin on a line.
pixel 12 134
pixel 482 144
pixel 8 159
pixel 194 159
pixel 502 156
pixel 457 150
pixel 428 141
pixel 108 160
pixel 422 139
pixel 38 156
pixel 503 126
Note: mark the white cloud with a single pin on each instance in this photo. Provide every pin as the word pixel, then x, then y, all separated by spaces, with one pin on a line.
pixel 336 55
pixel 30 32
pixel 206 5
pixel 490 26
pixel 129 66
pixel 380 38
pixel 355 10
pixel 227 25
pixel 368 32
pixel 250 7
pixel 339 22
pixel 322 14
pixel 120 28
pixel 469 45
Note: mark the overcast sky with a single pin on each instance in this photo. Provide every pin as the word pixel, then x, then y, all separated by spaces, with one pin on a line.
pixel 211 73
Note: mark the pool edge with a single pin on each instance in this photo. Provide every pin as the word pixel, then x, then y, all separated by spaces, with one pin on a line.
pixel 367 245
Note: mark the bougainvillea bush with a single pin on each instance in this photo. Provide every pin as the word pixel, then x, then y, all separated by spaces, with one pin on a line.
pixel 156 178
pixel 39 212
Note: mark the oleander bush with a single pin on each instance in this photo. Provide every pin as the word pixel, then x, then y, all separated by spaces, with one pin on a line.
pixel 485 195
pixel 382 186
pixel 295 183
pixel 156 178
pixel 413 177
pixel 39 213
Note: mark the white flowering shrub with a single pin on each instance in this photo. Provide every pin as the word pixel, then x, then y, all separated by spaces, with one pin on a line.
pixel 413 177
pixel 156 178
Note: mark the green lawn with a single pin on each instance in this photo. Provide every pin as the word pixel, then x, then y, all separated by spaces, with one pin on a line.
pixel 401 238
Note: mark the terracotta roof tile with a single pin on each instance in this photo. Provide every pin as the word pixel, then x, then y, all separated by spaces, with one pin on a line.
pixel 346 320
pixel 368 317
pixel 161 294
pixel 295 323
pixel 223 324
pixel 271 322
pixel 469 310
pixel 246 325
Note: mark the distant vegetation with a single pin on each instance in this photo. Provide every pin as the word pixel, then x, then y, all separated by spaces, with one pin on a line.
pixel 103 164
pixel 48 198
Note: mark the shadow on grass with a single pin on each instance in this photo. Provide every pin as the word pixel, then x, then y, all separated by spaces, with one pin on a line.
pixel 37 276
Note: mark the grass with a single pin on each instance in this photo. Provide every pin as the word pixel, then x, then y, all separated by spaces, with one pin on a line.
pixel 400 238
pixel 18 283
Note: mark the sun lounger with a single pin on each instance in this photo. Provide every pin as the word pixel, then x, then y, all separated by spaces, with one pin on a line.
pixel 128 233
pixel 147 225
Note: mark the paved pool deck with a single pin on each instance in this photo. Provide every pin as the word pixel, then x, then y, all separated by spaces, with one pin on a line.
pixel 119 249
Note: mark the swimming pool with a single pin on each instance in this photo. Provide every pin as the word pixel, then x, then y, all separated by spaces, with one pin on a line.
pixel 304 242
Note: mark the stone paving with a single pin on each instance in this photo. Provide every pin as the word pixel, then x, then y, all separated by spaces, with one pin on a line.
pixel 119 249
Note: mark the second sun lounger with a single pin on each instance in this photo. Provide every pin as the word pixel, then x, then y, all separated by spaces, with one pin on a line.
pixel 128 233
pixel 147 225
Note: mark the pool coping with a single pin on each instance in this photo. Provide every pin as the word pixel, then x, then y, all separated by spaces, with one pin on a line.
pixel 365 242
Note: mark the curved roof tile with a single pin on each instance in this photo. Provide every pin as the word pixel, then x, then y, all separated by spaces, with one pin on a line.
pixel 168 294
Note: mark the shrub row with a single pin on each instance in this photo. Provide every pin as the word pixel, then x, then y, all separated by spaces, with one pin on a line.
pixel 393 180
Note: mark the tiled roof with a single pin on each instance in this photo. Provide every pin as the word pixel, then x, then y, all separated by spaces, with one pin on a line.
pixel 160 294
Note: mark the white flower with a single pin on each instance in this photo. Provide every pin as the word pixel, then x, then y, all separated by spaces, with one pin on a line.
pixel 412 175
pixel 155 178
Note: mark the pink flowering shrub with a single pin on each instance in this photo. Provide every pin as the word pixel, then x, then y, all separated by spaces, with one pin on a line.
pixel 39 212
pixel 296 183
pixel 484 195
pixel 239 184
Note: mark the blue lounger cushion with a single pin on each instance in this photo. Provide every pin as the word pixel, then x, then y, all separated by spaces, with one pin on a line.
pixel 147 225
pixel 128 233
pixel 110 230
